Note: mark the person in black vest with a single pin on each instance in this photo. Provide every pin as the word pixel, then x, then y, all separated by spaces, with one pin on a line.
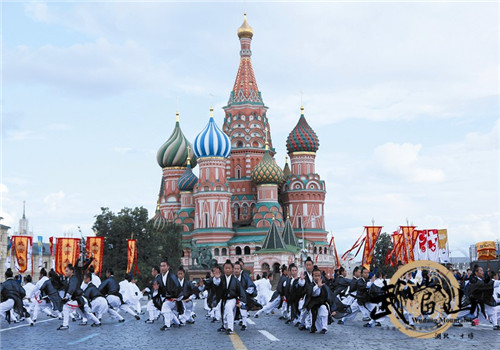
pixel 278 296
pixel 306 278
pixel 98 304
pixel 153 311
pixel 350 299
pixel 250 291
pixel 73 300
pixel 481 288
pixel 214 295
pixel 188 296
pixel 318 295
pixel 12 295
pixel 171 292
pixel 111 290
pixel 294 293
pixel 49 296
pixel 233 295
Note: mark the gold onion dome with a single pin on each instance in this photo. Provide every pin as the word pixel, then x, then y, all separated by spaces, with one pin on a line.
pixel 245 31
pixel 267 171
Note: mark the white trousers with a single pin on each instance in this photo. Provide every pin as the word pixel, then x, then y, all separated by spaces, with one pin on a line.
pixel 229 310
pixel 270 306
pixel 188 311
pixel 100 307
pixel 305 316
pixel 5 307
pixel 72 306
pixel 168 310
pixel 152 310
pixel 322 319
pixel 116 304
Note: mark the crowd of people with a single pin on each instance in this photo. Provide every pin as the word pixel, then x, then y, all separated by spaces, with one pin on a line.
pixel 305 299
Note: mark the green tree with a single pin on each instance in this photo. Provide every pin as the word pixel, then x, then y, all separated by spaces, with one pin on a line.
pixel 151 245
pixel 382 247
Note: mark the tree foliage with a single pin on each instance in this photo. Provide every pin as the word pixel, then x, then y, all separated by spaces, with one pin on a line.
pixel 151 245
pixel 382 247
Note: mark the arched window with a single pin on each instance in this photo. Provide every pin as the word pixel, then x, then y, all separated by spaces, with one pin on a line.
pixel 238 250
pixel 244 209
pixel 239 144
pixel 206 220
pixel 320 250
pixel 315 250
pixel 236 212
pixel 246 250
pixel 216 251
pixel 257 248
pixel 182 253
pixel 299 222
pixel 224 252
pixel 238 173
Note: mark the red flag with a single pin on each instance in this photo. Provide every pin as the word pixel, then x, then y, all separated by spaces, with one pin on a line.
pixel 337 260
pixel 372 234
pixel 132 255
pixel 67 250
pixel 22 249
pixel 358 243
pixel 95 245
pixel 409 237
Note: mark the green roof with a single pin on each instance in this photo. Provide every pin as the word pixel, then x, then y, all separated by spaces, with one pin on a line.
pixel 288 235
pixel 273 239
pixel 246 239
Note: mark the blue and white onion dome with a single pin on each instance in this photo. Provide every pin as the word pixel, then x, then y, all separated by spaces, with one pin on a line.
pixel 212 141
pixel 187 181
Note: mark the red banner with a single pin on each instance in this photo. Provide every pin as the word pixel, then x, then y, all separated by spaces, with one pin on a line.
pixel 337 260
pixel 95 245
pixel 67 251
pixel 21 251
pixel 486 250
pixel 372 233
pixel 410 237
pixel 396 254
pixel 132 255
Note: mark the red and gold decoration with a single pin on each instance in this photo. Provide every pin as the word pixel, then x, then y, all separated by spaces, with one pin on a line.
pixel 132 255
pixel 22 253
pixel 486 250
pixel 369 238
pixel 67 251
pixel 95 245
pixel 409 239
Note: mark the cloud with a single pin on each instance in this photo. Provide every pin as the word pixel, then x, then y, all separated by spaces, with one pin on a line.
pixel 22 135
pixel 3 188
pixel 403 160
pixel 96 69
pixel 123 150
pixel 54 201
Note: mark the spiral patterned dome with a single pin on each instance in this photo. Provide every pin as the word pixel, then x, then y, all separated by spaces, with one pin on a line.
pixel 187 181
pixel 212 141
pixel 302 138
pixel 267 171
pixel 174 152
pixel 159 222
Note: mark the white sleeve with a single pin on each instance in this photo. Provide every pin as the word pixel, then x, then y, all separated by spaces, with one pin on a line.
pixel 216 281
pixel 302 282
pixel 37 287
pixel 316 291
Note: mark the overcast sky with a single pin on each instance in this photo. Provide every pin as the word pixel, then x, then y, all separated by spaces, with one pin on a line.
pixel 404 98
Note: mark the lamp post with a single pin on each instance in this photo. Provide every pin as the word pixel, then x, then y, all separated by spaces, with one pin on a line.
pixel 304 251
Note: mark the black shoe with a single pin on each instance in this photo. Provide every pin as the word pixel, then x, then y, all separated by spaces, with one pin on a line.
pixel 367 325
pixel 288 321
pixel 213 320
pixel 378 324
pixel 32 324
pixel 96 325
pixel 496 328
pixel 243 328
pixel 229 332
pixel 121 321
pixel 302 327
pixel 256 316
pixel 53 316
pixel 282 317
pixel 313 330
pixel 149 321
pixel 221 329
pixel 82 324
pixel 164 328
pixel 137 317
pixel 190 322
pixel 240 323
pixel 323 331
pixel 366 319
pixel 340 322
pixel 297 324
pixel 62 328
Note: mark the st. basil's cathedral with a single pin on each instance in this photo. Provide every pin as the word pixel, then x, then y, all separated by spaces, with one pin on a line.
pixel 242 204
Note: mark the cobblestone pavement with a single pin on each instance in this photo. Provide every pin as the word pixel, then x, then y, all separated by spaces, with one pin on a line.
pixel 266 332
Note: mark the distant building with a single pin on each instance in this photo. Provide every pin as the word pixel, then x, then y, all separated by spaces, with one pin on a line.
pixel 4 241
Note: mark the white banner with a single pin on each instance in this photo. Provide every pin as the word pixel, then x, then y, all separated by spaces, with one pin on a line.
pixel 444 250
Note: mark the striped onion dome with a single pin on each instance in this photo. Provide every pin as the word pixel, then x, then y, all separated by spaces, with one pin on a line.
pixel 187 181
pixel 159 222
pixel 286 170
pixel 212 141
pixel 174 152
pixel 267 171
pixel 302 138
